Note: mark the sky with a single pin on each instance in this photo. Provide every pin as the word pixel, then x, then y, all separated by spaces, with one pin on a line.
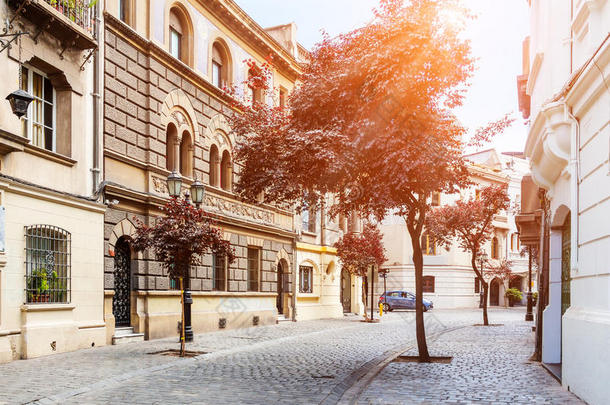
pixel 496 36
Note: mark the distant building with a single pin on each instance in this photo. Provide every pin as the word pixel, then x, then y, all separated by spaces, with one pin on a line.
pixel 449 280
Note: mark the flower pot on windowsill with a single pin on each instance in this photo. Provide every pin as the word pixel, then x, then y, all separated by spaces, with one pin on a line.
pixel 40 298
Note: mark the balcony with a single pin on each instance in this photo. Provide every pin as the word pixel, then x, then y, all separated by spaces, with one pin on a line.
pixel 73 22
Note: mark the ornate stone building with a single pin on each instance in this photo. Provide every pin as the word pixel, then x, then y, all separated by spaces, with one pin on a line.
pixel 164 110
pixel 51 227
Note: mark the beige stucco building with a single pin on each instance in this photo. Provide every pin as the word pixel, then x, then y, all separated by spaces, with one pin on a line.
pixel 51 227
pixel 449 281
pixel 564 92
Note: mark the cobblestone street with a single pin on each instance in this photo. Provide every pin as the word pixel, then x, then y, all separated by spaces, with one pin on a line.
pixel 327 361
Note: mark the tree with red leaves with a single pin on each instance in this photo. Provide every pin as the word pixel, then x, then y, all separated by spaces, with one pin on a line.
pixel 370 123
pixel 359 251
pixel 470 223
pixel 180 239
pixel 502 270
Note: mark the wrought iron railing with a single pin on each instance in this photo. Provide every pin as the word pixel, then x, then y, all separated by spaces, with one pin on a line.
pixel 81 12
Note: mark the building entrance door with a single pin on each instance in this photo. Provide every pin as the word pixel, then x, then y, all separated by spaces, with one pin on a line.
pixel 121 301
pixel 280 290
pixel 346 291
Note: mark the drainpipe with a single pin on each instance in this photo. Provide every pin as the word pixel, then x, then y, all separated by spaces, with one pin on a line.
pixel 95 170
pixel 574 189
pixel 295 273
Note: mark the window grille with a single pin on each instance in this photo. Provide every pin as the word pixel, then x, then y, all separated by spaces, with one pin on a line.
pixel 306 278
pixel 47 264
pixel 219 268
pixel 428 286
pixel 253 268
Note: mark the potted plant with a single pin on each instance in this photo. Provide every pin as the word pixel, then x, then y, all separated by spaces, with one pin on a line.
pixel 513 296
pixel 534 298
pixel 38 285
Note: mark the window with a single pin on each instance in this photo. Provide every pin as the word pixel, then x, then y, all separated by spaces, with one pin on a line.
pixel 512 242
pixel 186 155
pixel 308 217
pixel 124 11
pixel 38 124
pixel 254 258
pixel 255 94
pixel 428 245
pixel 219 270
pixel 428 284
pixel 175 43
pixel 282 98
pixel 47 264
pixel 305 279
pixel 214 166
pixel 436 199
pixel 180 35
pixel 477 285
pixel 171 140
pixel 477 194
pixel 220 65
pixel 495 254
pixel 226 174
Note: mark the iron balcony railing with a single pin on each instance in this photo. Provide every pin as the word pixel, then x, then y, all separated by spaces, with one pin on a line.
pixel 81 12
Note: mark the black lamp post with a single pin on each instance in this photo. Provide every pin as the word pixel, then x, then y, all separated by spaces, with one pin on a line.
pixel 482 260
pixel 174 187
pixel 529 315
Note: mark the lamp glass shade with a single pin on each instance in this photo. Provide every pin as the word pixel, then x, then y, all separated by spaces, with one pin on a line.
pixel 197 192
pixel 20 101
pixel 174 184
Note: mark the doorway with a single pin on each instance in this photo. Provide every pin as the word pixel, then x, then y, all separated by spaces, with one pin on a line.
pixel 279 303
pixel 494 292
pixel 346 291
pixel 121 301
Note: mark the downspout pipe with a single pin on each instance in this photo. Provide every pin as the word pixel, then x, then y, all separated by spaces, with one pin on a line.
pixel 574 167
pixel 95 169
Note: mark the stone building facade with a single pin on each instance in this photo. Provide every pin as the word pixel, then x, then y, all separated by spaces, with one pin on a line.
pixel 165 110
pixel 51 225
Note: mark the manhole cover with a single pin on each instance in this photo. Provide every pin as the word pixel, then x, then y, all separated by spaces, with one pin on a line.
pixel 491 324
pixel 415 359
pixel 176 353
pixel 323 376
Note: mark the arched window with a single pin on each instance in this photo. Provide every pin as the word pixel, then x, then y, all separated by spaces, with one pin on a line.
pixel 428 245
pixel 186 155
pixel 226 171
pixel 171 159
pixel 221 65
pixel 180 35
pixel 428 284
pixel 214 166
pixel 495 251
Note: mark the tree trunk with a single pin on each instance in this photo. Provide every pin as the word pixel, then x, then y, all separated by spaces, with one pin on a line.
pixel 365 297
pixel 484 285
pixel 485 291
pixel 418 262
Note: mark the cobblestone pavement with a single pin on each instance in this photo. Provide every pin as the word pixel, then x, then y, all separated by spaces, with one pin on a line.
pixel 490 366
pixel 293 363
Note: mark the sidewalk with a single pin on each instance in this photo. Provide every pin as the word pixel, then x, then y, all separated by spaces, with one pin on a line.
pixel 490 366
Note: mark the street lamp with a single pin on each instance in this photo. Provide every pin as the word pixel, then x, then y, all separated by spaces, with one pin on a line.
pixel 174 187
pixel 197 192
pixel 482 259
pixel 174 184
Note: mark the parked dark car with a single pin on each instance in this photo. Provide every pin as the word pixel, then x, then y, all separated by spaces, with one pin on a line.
pixel 392 300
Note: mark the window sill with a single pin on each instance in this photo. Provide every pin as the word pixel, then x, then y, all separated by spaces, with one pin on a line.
pixel 10 142
pixel 52 156
pixel 47 307
pixel 308 233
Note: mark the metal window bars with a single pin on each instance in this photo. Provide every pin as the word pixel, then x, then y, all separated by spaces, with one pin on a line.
pixel 47 264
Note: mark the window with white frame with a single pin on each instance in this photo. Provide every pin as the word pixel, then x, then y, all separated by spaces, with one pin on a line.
pixel 305 279
pixel 39 122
